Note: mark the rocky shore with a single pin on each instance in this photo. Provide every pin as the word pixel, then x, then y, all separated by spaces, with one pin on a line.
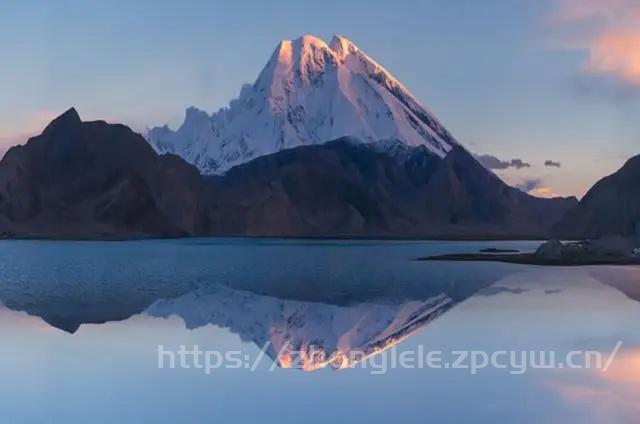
pixel 611 250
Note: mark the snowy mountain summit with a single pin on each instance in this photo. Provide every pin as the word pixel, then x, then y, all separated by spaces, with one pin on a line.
pixel 309 92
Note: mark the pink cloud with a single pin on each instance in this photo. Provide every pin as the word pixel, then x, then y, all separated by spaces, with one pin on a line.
pixel 616 53
pixel 608 31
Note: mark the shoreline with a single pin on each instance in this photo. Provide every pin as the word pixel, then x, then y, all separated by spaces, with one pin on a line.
pixel 532 259
pixel 443 238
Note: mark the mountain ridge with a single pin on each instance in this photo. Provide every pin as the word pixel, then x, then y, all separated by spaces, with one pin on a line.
pixel 94 180
pixel 610 207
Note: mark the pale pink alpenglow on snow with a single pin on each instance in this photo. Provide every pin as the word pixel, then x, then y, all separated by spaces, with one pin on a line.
pixel 308 93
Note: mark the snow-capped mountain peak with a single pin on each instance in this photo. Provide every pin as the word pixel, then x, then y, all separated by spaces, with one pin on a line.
pixel 309 92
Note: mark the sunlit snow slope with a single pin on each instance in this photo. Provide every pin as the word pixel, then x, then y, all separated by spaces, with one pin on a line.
pixel 308 93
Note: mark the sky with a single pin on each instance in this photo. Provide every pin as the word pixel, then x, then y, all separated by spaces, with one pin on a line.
pixel 546 92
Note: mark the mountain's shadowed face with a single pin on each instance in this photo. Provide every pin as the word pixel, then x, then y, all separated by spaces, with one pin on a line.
pixel 97 180
pixel 345 188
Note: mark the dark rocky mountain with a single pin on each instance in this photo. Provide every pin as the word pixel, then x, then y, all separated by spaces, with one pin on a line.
pixel 345 188
pixel 612 206
pixel 97 180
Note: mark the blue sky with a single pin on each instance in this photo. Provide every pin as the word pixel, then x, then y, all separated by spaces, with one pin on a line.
pixel 534 80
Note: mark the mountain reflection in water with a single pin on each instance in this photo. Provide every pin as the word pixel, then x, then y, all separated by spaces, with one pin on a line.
pixel 306 325
pixel 65 359
pixel 306 335
pixel 335 326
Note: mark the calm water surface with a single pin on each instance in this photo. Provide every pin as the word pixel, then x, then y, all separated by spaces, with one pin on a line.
pixel 81 324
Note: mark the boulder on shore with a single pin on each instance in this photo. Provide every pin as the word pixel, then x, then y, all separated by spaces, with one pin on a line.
pixel 552 249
